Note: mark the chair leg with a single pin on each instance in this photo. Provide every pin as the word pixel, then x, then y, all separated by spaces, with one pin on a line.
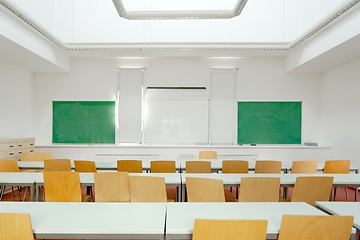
pixel 346 194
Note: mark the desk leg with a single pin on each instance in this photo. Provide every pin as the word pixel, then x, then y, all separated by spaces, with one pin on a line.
pixel 32 192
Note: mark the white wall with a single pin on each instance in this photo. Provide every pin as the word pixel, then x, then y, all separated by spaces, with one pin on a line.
pixel 257 79
pixel 340 123
pixel 16 101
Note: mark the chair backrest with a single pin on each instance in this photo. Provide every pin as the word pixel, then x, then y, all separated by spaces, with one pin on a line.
pixel 62 186
pixel 304 166
pixel 9 166
pixel 84 166
pixel 131 166
pixel 15 226
pixel 57 165
pixel 35 156
pixel 259 189
pixel 198 167
pixel 337 166
pixel 235 166
pixel 311 189
pixel 204 190
pixel 147 189
pixel 268 166
pixel 112 187
pixel 163 166
pixel 208 229
pixel 297 227
pixel 207 155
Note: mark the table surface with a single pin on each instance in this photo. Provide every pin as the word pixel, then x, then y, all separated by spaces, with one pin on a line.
pixel 343 209
pixel 93 220
pixel 181 216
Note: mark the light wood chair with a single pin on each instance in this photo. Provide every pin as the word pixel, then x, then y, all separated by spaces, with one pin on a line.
pixel 162 166
pixel 57 165
pixel 207 155
pixel 235 166
pixel 198 167
pixel 131 166
pixel 204 190
pixel 311 189
pixel 147 189
pixel 337 167
pixel 85 166
pixel 112 187
pixel 304 166
pixel 35 156
pixel 15 226
pixel 9 165
pixel 62 186
pixel 208 229
pixel 298 227
pixel 259 189
pixel 268 166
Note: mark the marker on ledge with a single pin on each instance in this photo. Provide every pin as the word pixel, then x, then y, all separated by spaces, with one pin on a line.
pixel 253 144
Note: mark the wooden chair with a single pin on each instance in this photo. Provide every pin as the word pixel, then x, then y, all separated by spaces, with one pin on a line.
pixel 112 187
pixel 57 165
pixel 62 186
pixel 198 167
pixel 35 156
pixel 209 229
pixel 268 166
pixel 204 190
pixel 15 226
pixel 131 166
pixel 259 189
pixel 9 166
pixel 304 166
pixel 84 166
pixel 298 227
pixel 147 189
pixel 207 155
pixel 235 166
pixel 162 166
pixel 312 189
pixel 337 167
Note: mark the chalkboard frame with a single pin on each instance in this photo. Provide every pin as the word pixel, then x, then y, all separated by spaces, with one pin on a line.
pixel 83 122
pixel 269 122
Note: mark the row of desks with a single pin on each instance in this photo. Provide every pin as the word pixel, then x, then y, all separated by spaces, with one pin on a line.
pixel 146 220
pixel 35 179
pixel 216 165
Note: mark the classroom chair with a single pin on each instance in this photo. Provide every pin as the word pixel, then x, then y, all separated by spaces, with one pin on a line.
pixel 162 166
pixel 204 190
pixel 268 166
pixel 147 189
pixel 112 187
pixel 235 166
pixel 210 229
pixel 35 156
pixel 259 189
pixel 198 167
pixel 131 166
pixel 57 165
pixel 10 166
pixel 298 227
pixel 337 167
pixel 86 166
pixel 304 166
pixel 15 226
pixel 311 189
pixel 207 155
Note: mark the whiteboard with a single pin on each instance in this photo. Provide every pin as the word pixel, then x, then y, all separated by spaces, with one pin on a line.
pixel 176 121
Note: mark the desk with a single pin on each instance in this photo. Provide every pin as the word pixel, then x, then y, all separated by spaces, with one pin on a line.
pixel 27 179
pixel 180 216
pixel 92 220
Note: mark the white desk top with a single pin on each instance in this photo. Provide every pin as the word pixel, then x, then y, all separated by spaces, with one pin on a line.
pixel 343 209
pixel 181 216
pixel 93 220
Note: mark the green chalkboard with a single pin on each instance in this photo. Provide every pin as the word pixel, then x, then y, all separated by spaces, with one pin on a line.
pixel 83 122
pixel 269 122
